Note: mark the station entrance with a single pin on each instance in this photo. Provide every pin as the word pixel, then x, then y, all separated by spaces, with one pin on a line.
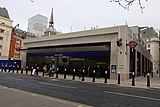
pixel 98 60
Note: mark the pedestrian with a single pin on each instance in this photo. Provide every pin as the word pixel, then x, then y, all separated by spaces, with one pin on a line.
pixel 50 71
pixel 5 67
pixel 88 70
pixel 80 71
pixel 53 70
pixel 2 67
pixel 17 68
pixel 98 71
pixel 10 66
pixel 13 68
pixel 44 69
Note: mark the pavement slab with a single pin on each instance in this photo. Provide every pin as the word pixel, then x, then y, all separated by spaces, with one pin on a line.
pixel 17 98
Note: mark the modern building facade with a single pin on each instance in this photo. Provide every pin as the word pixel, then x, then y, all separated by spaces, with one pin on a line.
pixel 91 48
pixel 37 24
pixel 152 42
pixel 5 33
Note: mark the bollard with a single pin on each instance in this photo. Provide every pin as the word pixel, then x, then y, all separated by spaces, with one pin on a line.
pixel 148 80
pixel 26 69
pixel 119 78
pixel 50 70
pixel 37 70
pixel 105 77
pixel 31 70
pixel 22 70
pixel 94 75
pixel 133 79
pixel 57 73
pixel 73 74
pixel 65 70
pixel 83 72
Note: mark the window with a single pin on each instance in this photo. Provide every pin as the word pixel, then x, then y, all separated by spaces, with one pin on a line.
pixel 144 32
pixel 149 45
pixel 1 31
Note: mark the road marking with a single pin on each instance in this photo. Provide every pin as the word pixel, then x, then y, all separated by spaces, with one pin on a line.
pixel 54 79
pixel 80 105
pixel 15 78
pixel 64 86
pixel 130 95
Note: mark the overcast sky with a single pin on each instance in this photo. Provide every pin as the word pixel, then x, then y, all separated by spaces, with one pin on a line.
pixel 83 14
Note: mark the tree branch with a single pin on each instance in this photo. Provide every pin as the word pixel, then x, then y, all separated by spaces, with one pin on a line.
pixel 127 3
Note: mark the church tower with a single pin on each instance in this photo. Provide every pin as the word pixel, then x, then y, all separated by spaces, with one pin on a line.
pixel 50 31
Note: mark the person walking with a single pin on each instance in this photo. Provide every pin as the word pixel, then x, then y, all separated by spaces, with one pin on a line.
pixel 44 69
pixel 98 71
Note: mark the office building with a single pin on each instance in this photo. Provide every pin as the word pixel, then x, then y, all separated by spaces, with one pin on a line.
pixel 37 24
pixel 5 33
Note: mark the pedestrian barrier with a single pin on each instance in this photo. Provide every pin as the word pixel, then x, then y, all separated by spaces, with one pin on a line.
pixel 34 71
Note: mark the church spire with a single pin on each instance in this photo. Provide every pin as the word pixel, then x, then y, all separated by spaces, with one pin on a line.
pixel 51 22
pixel 50 31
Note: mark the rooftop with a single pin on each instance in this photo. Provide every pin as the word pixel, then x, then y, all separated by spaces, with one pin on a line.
pixel 4 13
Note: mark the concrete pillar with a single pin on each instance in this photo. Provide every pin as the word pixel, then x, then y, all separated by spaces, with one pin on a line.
pixel 113 59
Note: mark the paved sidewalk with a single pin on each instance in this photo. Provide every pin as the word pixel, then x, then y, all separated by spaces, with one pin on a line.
pixel 18 98
pixel 140 82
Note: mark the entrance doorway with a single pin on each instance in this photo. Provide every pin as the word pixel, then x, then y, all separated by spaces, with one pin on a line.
pixel 74 60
